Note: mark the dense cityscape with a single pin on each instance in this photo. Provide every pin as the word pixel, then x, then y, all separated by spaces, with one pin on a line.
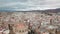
pixel 29 23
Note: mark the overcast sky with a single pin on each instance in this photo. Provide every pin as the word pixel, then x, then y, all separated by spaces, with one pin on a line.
pixel 29 4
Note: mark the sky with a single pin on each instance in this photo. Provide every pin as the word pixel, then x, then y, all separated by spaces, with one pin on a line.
pixel 22 5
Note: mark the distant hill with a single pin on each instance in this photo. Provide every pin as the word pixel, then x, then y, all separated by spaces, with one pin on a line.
pixel 53 10
pixel 49 10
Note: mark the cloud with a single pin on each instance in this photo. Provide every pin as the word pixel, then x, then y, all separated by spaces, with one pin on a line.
pixel 31 4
